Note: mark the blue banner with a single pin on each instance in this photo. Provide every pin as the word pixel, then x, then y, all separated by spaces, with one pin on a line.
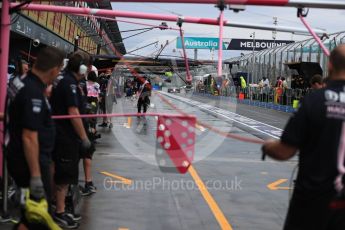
pixel 199 43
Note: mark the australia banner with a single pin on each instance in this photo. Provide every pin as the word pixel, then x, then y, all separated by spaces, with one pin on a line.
pixel 199 43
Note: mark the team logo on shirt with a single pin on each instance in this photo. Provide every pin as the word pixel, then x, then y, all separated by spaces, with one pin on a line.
pixel 335 96
pixel 73 88
pixel 36 105
pixel 335 104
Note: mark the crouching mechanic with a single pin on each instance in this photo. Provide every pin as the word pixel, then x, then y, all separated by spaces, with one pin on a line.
pixel 29 132
pixel 318 131
pixel 67 99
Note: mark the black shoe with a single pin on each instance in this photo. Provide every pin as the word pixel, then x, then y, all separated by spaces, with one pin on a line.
pixel 88 189
pixel 98 136
pixel 91 186
pixel 73 216
pixel 64 221
pixel 103 125
pixel 69 210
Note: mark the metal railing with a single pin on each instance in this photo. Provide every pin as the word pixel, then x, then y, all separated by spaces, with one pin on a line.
pixel 277 96
pixel 271 63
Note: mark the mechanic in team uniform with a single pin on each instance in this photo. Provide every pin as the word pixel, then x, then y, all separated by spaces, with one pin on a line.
pixel 317 130
pixel 29 130
pixel 67 99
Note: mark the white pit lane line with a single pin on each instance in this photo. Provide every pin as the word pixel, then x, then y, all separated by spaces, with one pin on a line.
pixel 258 126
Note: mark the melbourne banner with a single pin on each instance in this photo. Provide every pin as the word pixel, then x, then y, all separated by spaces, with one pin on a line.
pixel 235 44
pixel 199 43
pixel 249 44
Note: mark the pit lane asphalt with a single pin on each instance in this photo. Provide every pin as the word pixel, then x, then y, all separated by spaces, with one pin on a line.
pixel 221 162
pixel 237 179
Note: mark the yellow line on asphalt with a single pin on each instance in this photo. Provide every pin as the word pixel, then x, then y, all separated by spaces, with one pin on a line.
pixel 274 185
pixel 122 179
pixel 217 212
pixel 129 123
pixel 123 229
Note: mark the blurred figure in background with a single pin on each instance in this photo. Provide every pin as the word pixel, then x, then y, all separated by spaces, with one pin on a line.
pixel 144 94
pixel 103 82
pixel 316 82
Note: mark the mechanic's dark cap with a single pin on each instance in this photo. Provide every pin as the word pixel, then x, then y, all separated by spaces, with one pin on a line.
pixel 317 78
pixel 11 69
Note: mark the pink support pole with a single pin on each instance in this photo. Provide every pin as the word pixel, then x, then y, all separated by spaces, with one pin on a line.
pixel 5 43
pixel 241 2
pixel 113 13
pixel 158 17
pixel 130 22
pixel 318 40
pixel 188 77
pixel 329 4
pixel 220 43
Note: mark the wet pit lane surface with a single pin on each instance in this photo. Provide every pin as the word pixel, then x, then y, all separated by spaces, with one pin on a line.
pixel 133 193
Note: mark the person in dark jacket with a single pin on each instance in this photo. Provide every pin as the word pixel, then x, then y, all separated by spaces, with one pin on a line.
pixel 317 130
pixel 144 93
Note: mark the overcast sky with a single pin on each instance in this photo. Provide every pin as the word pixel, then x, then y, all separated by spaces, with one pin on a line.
pixel 331 20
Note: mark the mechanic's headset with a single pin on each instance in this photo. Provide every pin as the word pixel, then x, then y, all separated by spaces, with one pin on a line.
pixel 76 64
pixel 82 68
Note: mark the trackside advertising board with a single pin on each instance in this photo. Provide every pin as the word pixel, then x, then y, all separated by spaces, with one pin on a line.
pixel 199 43
pixel 234 44
pixel 249 44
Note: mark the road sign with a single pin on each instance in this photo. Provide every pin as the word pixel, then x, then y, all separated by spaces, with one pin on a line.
pixel 199 43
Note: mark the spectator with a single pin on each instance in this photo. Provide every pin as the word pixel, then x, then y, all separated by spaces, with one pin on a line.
pixel 278 90
pixel 317 131
pixel 279 83
pixel 265 89
pixel 266 82
pixel 243 82
pixel 30 133
pixel 284 83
